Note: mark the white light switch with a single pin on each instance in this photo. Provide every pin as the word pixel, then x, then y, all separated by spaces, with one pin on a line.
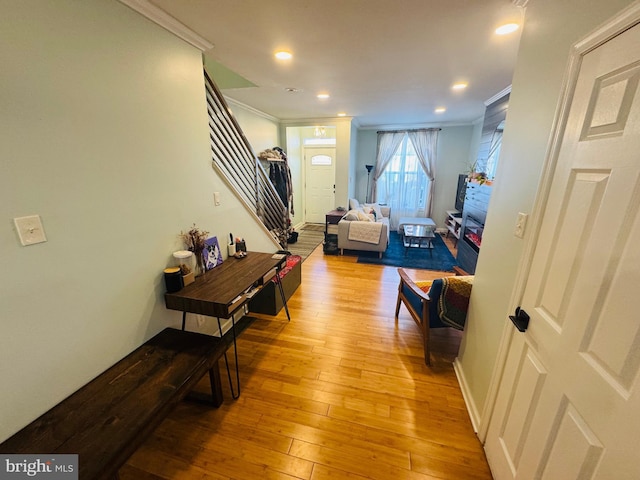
pixel 216 198
pixel 521 223
pixel 30 230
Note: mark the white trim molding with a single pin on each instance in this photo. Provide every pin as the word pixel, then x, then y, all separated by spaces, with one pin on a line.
pixel 472 409
pixel 497 96
pixel 169 23
pixel 235 103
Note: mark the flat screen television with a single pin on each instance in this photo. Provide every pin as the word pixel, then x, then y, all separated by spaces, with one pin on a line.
pixel 461 191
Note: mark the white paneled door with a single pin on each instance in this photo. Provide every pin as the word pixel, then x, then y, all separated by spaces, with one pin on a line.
pixel 320 181
pixel 568 405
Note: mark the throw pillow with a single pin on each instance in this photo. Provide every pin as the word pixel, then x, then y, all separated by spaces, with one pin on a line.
pixel 353 204
pixel 352 215
pixel 363 217
pixel 370 211
pixel 376 208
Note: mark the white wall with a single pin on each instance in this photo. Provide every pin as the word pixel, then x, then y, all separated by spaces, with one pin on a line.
pixel 344 168
pixel 551 27
pixel 454 145
pixel 262 130
pixel 366 155
pixel 293 148
pixel 103 134
pixel 353 155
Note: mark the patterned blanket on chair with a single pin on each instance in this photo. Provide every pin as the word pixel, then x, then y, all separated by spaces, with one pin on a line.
pixel 454 300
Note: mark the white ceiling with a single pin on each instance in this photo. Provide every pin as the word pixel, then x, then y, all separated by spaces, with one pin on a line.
pixel 384 62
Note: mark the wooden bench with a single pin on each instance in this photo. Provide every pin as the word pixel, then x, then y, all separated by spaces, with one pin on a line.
pixel 106 420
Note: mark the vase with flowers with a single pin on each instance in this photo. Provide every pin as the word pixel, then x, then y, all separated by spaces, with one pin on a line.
pixel 194 241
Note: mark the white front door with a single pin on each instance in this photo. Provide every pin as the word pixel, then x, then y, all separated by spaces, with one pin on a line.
pixel 568 405
pixel 320 174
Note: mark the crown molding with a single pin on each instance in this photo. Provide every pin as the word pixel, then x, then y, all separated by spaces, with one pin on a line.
pixel 328 121
pixel 235 103
pixel 497 96
pixel 169 23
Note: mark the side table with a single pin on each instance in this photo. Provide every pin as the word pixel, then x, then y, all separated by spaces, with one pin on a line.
pixel 331 233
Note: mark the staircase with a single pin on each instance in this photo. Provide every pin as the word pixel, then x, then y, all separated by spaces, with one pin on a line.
pixel 234 160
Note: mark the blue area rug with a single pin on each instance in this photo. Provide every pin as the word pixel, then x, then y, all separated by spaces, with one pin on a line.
pixel 440 257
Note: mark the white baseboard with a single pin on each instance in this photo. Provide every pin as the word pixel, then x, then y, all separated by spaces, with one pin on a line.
pixel 466 394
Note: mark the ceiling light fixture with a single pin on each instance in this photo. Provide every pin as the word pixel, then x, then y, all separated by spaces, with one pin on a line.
pixel 323 96
pixel 459 86
pixel 440 110
pixel 507 28
pixel 342 114
pixel 283 55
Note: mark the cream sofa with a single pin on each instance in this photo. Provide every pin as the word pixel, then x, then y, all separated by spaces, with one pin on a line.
pixel 365 228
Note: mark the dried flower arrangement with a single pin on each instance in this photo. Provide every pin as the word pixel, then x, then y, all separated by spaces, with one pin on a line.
pixel 194 239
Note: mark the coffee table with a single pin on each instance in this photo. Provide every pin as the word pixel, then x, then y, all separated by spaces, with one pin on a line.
pixel 426 221
pixel 418 236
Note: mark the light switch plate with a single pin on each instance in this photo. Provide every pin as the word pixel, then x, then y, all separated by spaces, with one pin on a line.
pixel 521 223
pixel 30 230
pixel 216 198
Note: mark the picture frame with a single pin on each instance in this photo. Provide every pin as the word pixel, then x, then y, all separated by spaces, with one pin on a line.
pixel 211 254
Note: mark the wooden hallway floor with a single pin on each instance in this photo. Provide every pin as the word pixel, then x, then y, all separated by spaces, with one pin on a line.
pixel 340 392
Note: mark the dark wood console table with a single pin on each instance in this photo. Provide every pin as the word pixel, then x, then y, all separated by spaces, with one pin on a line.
pixel 223 289
pixel 226 288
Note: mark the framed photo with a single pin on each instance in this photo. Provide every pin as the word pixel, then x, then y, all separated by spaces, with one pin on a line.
pixel 211 255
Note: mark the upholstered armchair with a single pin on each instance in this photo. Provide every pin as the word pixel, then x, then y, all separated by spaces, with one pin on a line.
pixel 435 304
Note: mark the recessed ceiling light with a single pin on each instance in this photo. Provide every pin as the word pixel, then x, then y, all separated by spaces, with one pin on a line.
pixel 507 28
pixel 440 110
pixel 323 96
pixel 459 86
pixel 342 114
pixel 283 55
pixel 291 90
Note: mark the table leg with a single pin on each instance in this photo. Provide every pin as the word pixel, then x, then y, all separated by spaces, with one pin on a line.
pixel 226 360
pixel 284 297
pixel 216 385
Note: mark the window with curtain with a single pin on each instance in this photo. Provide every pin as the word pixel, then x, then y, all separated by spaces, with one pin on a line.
pixel 403 184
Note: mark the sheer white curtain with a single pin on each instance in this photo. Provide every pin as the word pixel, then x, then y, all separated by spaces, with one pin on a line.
pixel 388 143
pixel 494 154
pixel 425 143
pixel 404 182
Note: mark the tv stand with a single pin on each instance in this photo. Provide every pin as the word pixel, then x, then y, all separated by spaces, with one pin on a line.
pixel 454 222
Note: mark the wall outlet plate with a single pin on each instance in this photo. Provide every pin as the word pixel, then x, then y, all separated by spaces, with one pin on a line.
pixel 30 230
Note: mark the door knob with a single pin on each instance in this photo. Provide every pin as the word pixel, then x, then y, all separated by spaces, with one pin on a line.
pixel 520 319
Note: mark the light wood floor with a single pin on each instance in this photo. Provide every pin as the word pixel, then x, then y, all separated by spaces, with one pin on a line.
pixel 340 392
